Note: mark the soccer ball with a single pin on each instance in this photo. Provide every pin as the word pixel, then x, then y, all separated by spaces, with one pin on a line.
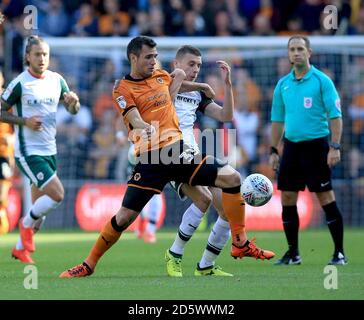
pixel 257 190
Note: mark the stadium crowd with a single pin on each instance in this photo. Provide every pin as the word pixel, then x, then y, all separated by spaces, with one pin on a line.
pixel 91 134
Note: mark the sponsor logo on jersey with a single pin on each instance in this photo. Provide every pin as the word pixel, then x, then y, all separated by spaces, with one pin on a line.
pixel 307 102
pixel 160 80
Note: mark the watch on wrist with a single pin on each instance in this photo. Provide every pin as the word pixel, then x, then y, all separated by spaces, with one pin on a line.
pixel 335 145
pixel 273 150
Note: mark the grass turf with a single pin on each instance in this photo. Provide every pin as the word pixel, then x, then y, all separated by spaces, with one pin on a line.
pixel 133 270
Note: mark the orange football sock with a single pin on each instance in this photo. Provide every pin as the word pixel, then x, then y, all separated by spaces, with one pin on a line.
pixel 234 208
pixel 104 242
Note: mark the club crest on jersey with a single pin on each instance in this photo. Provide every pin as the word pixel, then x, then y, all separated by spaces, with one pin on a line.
pixel 307 102
pixel 160 80
pixel 121 102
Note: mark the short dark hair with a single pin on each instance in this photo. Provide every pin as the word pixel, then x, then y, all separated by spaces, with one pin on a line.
pixel 32 41
pixel 299 36
pixel 187 49
pixel 136 44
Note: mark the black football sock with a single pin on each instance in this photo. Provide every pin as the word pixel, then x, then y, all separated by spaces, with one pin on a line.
pixel 334 221
pixel 291 226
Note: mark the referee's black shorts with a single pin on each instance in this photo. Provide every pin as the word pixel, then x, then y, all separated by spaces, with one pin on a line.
pixel 305 164
pixel 149 178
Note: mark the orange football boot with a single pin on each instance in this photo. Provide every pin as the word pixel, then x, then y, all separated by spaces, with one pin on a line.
pixel 26 235
pixel 79 271
pixel 249 249
pixel 22 255
pixel 150 237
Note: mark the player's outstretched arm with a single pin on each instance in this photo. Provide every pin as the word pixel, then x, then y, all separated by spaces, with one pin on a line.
pixel 226 112
pixel 178 75
pixel 140 127
pixel 188 86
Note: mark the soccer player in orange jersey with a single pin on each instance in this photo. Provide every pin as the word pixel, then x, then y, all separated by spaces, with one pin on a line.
pixel 145 99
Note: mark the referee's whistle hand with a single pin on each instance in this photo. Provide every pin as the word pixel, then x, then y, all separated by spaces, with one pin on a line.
pixel 333 157
pixel 274 161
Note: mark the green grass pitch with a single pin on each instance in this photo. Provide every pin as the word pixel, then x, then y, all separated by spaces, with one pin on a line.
pixel 133 270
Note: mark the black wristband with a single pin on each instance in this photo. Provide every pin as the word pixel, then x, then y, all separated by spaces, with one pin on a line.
pixel 273 150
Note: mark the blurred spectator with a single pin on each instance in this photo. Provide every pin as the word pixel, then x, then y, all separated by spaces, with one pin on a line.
pixel 102 153
pixel 309 11
pixel 156 22
pixel 358 27
pixel 222 24
pixel 262 161
pixel 72 140
pixel 114 22
pixel 103 99
pixel 294 26
pixel 56 21
pixel 356 112
pixel 261 26
pixel 86 23
pixel 140 25
pixel 174 16
pixel 238 24
pixel 246 86
pixel 190 26
pixel 246 122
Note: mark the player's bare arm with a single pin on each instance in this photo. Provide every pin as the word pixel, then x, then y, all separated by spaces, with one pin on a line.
pixel 334 156
pixel 141 128
pixel 34 123
pixel 276 136
pixel 178 75
pixel 188 86
pixel 224 113
pixel 71 102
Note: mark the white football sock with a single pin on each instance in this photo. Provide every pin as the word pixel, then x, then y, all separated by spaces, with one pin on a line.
pixel 19 245
pixel 217 240
pixel 190 222
pixel 41 207
pixel 154 210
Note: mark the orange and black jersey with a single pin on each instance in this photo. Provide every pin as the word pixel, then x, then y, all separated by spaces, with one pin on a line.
pixel 152 99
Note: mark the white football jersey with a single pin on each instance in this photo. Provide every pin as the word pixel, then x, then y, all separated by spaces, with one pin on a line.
pixel 187 104
pixel 31 96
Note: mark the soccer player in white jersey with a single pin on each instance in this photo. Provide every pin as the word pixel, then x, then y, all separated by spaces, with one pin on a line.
pixel 34 96
pixel 189 59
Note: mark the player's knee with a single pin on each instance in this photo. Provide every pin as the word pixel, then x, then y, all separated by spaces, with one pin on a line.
pixel 289 198
pixel 204 201
pixel 58 196
pixel 233 179
pixel 228 177
pixel 125 217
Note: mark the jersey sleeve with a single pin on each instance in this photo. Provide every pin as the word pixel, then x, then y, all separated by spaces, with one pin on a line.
pixel 278 110
pixel 167 77
pixel 331 99
pixel 205 101
pixel 64 86
pixel 12 94
pixel 122 98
